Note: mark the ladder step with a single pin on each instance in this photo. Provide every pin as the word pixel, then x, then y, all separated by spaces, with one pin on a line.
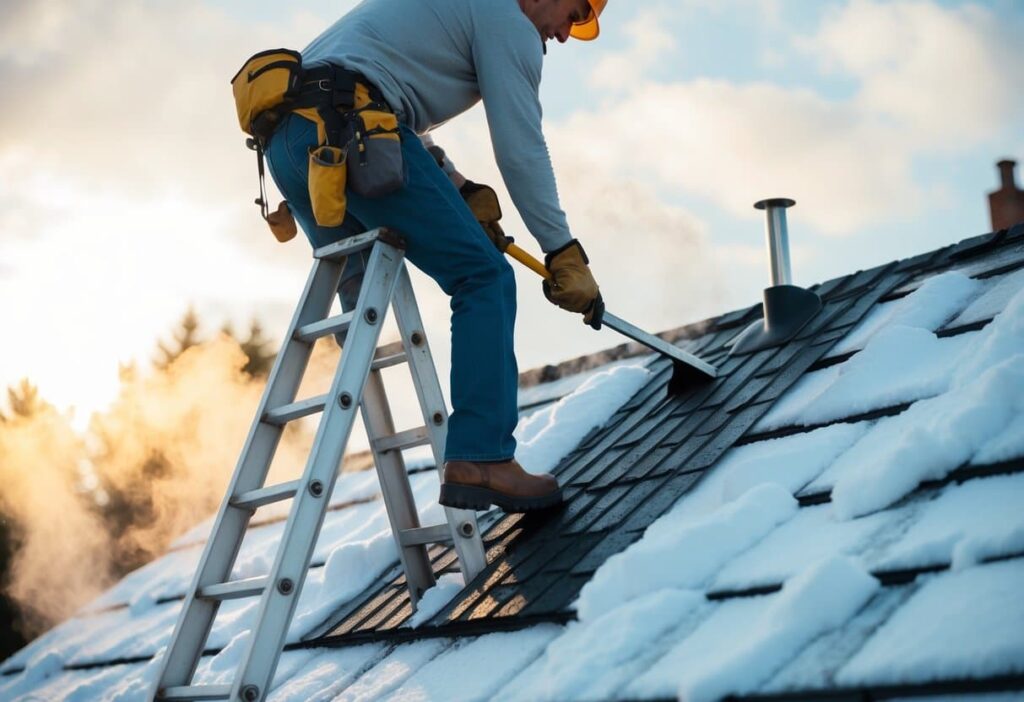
pixel 234 590
pixel 388 355
pixel 350 245
pixel 195 692
pixel 402 440
pixel 254 499
pixel 296 410
pixel 437 534
pixel 332 325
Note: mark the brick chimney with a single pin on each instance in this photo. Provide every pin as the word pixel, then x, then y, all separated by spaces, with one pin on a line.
pixel 1007 203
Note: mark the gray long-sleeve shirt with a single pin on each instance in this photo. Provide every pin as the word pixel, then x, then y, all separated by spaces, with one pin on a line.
pixel 434 59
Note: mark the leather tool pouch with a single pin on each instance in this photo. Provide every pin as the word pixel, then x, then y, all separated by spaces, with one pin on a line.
pixel 327 175
pixel 376 167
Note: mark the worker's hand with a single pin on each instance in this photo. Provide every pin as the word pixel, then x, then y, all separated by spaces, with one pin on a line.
pixel 572 286
pixel 483 203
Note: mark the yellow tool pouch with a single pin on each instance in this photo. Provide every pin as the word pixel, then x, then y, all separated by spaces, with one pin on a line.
pixel 327 174
pixel 376 167
pixel 266 81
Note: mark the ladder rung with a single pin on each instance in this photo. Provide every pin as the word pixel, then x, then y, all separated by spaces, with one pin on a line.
pixel 195 692
pixel 437 534
pixel 254 499
pixel 331 325
pixel 236 589
pixel 302 408
pixel 402 440
pixel 388 355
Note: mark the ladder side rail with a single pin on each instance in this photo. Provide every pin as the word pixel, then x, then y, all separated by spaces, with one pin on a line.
pixel 463 523
pixel 395 488
pixel 295 550
pixel 196 617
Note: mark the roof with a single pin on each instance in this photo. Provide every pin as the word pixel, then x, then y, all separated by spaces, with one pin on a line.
pixel 839 516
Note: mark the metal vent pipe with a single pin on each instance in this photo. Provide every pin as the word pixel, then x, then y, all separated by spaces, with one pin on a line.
pixel 777 234
pixel 786 307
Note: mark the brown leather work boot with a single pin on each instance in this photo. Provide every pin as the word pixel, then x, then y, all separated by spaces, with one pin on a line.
pixel 472 485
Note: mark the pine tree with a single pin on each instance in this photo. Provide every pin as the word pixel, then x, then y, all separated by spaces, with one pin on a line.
pixel 260 359
pixel 24 399
pixel 185 338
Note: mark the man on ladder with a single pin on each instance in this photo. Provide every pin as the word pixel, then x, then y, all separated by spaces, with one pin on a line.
pixel 428 61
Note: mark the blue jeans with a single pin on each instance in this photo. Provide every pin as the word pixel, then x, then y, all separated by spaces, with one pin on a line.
pixel 445 241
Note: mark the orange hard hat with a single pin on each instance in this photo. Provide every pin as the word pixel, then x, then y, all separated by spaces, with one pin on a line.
pixel 588 29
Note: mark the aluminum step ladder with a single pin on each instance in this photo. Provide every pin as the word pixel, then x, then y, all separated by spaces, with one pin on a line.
pixel 357 383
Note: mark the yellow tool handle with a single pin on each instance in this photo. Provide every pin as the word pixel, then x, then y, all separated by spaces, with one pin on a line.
pixel 528 261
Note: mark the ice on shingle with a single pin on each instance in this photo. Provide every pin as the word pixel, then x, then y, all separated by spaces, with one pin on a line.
pixel 326 674
pixel 71 686
pixel 435 598
pixel 348 487
pixel 792 462
pixel 999 290
pixel 928 441
pixel 222 668
pixel 814 668
pixel 812 535
pixel 728 623
pixel 786 411
pixel 545 437
pixel 165 577
pixel 980 519
pixel 484 664
pixel 980 609
pixel 577 664
pixel 929 307
pixel 1004 446
pixel 122 636
pixel 557 389
pixel 900 364
pixel 819 600
pixel 350 569
pixel 386 676
pixel 679 554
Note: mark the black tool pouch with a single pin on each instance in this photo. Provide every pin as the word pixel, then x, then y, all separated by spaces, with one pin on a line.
pixel 376 166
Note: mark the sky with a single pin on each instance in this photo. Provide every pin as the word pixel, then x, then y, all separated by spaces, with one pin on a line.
pixel 126 190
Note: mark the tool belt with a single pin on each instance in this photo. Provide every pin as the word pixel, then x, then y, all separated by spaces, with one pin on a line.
pixel 349 112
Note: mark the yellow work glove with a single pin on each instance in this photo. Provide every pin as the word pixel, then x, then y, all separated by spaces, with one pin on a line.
pixel 572 286
pixel 483 203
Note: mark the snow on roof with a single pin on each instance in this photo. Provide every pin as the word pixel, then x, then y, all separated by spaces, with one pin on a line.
pixel 840 515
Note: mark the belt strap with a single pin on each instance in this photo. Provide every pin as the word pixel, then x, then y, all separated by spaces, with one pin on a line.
pixel 340 82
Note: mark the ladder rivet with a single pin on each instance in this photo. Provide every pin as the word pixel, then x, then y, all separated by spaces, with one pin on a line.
pixel 250 693
pixel 345 400
pixel 316 488
pixel 416 338
pixel 466 529
pixel 371 316
pixel 438 418
pixel 285 586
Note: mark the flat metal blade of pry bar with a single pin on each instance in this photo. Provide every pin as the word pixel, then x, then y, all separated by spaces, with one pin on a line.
pixel 688 371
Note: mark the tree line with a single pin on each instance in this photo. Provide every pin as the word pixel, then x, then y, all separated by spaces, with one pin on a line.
pixel 116 504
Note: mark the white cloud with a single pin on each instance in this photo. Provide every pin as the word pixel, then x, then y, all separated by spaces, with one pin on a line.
pixel 945 74
pixel 930 80
pixel 649 43
pixel 738 144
